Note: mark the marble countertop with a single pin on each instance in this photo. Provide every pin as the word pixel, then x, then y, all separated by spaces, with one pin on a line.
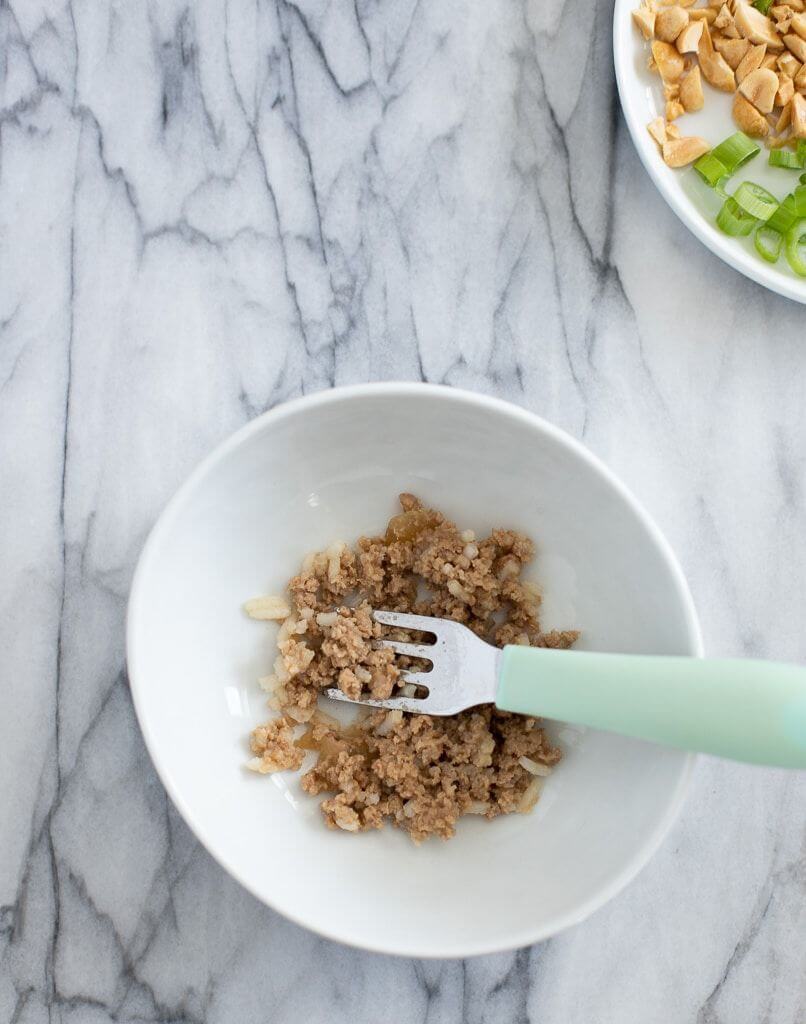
pixel 207 208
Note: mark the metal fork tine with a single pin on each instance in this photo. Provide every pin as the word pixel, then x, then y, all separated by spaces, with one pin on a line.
pixel 423 623
pixel 391 704
pixel 425 651
pixel 428 680
pixel 464 673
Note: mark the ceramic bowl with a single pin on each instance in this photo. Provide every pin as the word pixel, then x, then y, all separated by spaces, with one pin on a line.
pixel 329 466
pixel 691 199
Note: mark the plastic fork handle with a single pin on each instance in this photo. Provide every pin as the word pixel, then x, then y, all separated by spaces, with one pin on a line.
pixel 745 710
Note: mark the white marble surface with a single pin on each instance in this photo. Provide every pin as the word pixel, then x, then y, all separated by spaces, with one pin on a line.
pixel 206 208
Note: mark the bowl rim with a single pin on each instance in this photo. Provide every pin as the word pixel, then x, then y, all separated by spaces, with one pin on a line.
pixel 524 936
pixel 720 245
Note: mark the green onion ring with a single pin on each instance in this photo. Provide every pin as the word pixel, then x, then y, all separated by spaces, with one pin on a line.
pixel 736 150
pixel 711 169
pixel 785 158
pixel 795 239
pixel 785 216
pixel 770 253
pixel 733 220
pixel 756 200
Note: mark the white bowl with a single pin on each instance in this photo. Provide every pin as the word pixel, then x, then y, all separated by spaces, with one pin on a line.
pixel 691 199
pixel 330 466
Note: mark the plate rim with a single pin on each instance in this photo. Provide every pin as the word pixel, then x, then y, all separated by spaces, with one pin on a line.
pixel 736 258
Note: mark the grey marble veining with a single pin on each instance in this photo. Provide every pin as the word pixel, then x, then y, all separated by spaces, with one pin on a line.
pixel 209 207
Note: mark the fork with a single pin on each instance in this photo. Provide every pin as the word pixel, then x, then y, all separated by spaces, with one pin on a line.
pixel 745 710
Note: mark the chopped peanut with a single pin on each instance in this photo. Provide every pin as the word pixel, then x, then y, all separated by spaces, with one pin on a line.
pixel 783 17
pixel 788 64
pixel 691 91
pixel 669 23
pixel 644 18
pixel 689 39
pixel 679 152
pixel 784 120
pixel 725 23
pixel 748 118
pixel 755 26
pixel 786 90
pixel 798 108
pixel 797 45
pixel 733 50
pixel 657 129
pixel 667 60
pixel 760 88
pixel 717 71
pixel 751 61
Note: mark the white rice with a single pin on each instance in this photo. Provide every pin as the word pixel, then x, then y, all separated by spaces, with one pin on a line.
pixel 334 553
pixel 392 719
pixel 530 796
pixel 271 607
pixel 533 767
pixel 477 807
pixel 268 683
pixel 459 592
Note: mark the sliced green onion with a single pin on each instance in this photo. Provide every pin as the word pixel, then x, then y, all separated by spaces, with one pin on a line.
pixel 799 201
pixel 721 186
pixel 796 247
pixel 768 243
pixel 800 149
pixel 785 158
pixel 711 169
pixel 785 216
pixel 733 220
pixel 803 179
pixel 763 5
pixel 756 200
pixel 736 150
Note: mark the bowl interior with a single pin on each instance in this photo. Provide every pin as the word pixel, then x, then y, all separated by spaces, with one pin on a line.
pixel 330 468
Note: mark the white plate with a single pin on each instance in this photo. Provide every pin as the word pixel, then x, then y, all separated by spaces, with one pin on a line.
pixel 690 198
pixel 329 466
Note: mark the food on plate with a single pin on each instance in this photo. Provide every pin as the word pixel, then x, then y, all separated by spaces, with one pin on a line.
pixel 776 225
pixel 756 52
pixel 420 773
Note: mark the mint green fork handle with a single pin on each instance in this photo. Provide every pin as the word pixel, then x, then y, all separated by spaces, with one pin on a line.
pixel 746 710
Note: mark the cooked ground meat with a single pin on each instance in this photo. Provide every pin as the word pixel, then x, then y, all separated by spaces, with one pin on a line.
pixel 419 772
